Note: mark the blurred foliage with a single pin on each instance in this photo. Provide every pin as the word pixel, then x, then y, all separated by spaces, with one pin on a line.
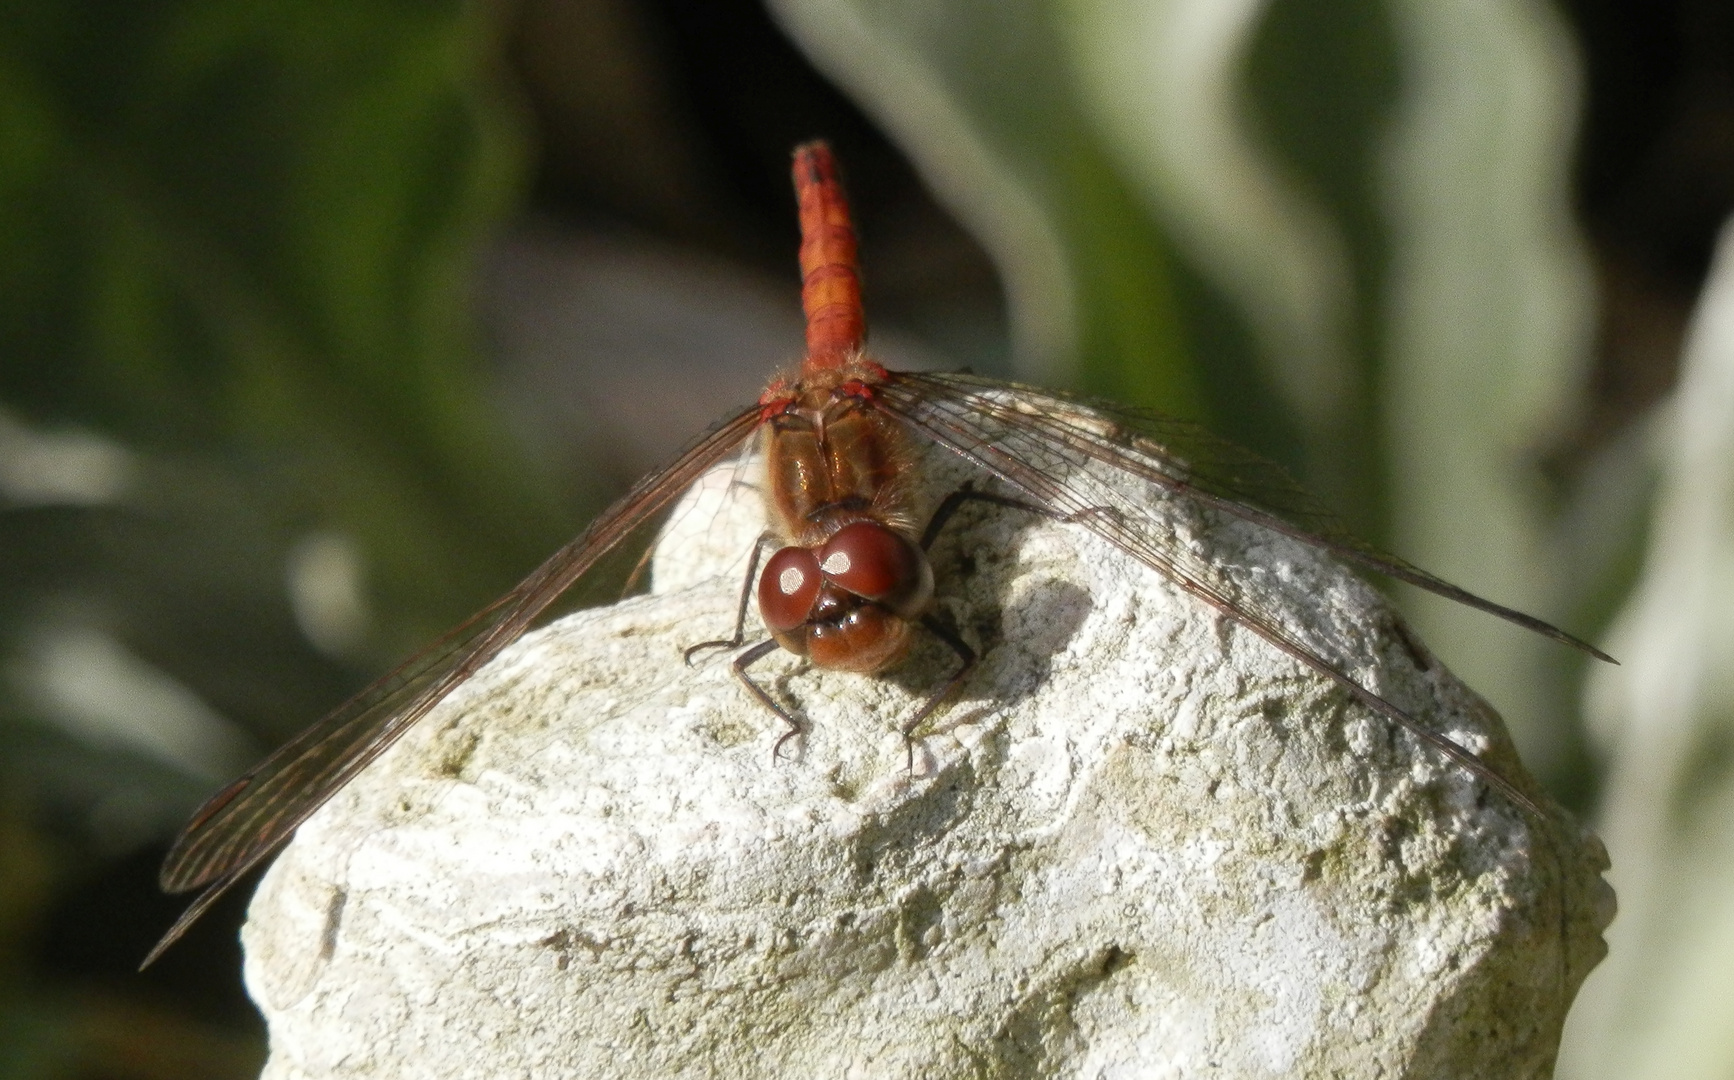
pixel 236 240
pixel 236 245
pixel 241 234
pixel 250 450
pixel 55 1032
pixel 1660 1005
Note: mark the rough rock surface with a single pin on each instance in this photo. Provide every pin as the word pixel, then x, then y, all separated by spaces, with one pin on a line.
pixel 1139 842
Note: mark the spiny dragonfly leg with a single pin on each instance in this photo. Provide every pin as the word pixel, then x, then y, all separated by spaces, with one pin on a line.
pixel 966 655
pixel 967 493
pixel 740 612
pixel 747 659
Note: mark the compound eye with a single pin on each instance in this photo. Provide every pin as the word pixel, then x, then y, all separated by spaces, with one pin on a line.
pixel 877 564
pixel 789 587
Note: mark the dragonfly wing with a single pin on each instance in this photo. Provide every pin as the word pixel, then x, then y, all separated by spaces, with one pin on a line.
pixel 1037 446
pixel 1190 461
pixel 246 821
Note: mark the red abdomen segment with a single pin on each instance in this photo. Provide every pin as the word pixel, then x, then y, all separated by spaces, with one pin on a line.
pixel 830 283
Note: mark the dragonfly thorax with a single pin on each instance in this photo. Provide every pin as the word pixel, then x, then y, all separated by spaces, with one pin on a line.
pixel 837 491
pixel 833 457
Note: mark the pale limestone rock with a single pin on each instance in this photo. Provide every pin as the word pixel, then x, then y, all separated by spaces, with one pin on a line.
pixel 1138 843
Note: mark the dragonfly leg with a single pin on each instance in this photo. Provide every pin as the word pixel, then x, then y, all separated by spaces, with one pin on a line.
pixel 741 612
pixel 968 493
pixel 747 659
pixel 967 659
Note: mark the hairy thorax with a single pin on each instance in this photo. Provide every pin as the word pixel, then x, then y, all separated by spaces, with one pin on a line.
pixel 832 458
pixel 837 468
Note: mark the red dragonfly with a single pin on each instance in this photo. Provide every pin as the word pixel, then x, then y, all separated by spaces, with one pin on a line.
pixel 851 582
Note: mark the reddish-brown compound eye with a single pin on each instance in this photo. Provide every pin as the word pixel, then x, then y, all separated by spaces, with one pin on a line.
pixel 789 587
pixel 877 564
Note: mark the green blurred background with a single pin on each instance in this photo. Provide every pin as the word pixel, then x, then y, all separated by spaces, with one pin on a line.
pixel 322 322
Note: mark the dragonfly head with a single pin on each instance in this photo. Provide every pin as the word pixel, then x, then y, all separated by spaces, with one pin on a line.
pixel 848 602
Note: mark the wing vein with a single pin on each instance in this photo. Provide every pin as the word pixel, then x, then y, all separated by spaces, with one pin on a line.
pixel 952 417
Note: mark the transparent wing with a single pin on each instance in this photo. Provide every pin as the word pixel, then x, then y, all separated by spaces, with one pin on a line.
pixel 1053 452
pixel 247 820
pixel 1191 462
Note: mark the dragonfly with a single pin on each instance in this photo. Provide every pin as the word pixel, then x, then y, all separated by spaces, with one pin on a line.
pixel 851 586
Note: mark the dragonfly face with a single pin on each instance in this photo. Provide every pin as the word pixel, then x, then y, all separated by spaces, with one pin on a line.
pixel 848 603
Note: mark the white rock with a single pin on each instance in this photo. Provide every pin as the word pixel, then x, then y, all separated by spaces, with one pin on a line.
pixel 1138 843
